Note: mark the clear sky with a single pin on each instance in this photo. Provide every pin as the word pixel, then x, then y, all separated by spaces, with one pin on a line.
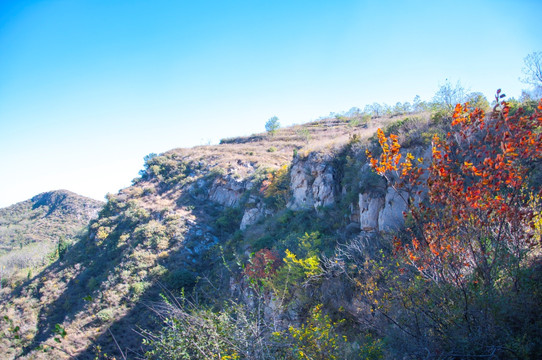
pixel 89 87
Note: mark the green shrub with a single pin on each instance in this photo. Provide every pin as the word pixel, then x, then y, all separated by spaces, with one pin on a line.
pixel 229 220
pixel 180 278
pixel 304 134
pixel 138 288
pixel 191 332
pixel 105 315
pixel 265 242
pixel 62 247
pixel 92 284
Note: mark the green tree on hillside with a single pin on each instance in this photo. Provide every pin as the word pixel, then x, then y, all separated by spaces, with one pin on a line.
pixel 272 125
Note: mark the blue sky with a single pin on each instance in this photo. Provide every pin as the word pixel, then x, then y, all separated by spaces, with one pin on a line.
pixel 88 88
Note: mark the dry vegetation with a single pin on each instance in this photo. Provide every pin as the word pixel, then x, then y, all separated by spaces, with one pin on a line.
pixel 265 150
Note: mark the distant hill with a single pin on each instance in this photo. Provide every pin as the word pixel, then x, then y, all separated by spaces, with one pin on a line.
pixel 29 230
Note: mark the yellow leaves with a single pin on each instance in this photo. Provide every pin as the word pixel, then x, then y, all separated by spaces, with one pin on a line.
pixel 317 337
pixel 274 184
pixel 103 233
pixel 233 356
pixel 310 265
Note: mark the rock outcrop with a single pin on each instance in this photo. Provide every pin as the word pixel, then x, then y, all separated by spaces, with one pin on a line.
pixel 312 182
pixel 370 207
pixel 255 210
pixel 227 190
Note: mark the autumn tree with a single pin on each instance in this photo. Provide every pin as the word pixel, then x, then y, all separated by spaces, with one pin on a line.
pixel 478 219
pixel 473 240
pixel 262 265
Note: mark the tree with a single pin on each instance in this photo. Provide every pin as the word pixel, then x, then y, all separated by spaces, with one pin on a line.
pixel 272 125
pixel 377 109
pixel 418 105
pixel 448 95
pixel 398 109
pixel 479 219
pixel 477 100
pixel 471 277
pixel 533 69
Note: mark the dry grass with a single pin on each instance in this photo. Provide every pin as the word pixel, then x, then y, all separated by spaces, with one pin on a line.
pixel 244 154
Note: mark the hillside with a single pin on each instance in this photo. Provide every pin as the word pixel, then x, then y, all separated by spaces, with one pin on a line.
pixel 29 230
pixel 261 245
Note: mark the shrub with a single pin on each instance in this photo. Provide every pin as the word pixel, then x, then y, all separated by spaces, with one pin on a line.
pixel 105 315
pixel 229 220
pixel 191 332
pixel 180 278
pixel 316 339
pixel 262 265
pixel 138 288
pixel 92 284
pixel 276 187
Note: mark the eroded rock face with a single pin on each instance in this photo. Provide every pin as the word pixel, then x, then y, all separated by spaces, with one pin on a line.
pixel 391 216
pixel 227 191
pixel 382 213
pixel 254 212
pixel 369 208
pixel 312 183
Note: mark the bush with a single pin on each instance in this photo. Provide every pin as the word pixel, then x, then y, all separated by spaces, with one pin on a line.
pixel 105 315
pixel 462 274
pixel 138 288
pixel 276 187
pixel 179 279
pixel 229 220
pixel 316 339
pixel 191 332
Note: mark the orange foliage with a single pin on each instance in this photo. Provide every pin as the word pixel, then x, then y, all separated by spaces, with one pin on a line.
pixel 478 215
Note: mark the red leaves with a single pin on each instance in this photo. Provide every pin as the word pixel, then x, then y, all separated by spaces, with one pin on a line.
pixel 263 265
pixel 475 189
